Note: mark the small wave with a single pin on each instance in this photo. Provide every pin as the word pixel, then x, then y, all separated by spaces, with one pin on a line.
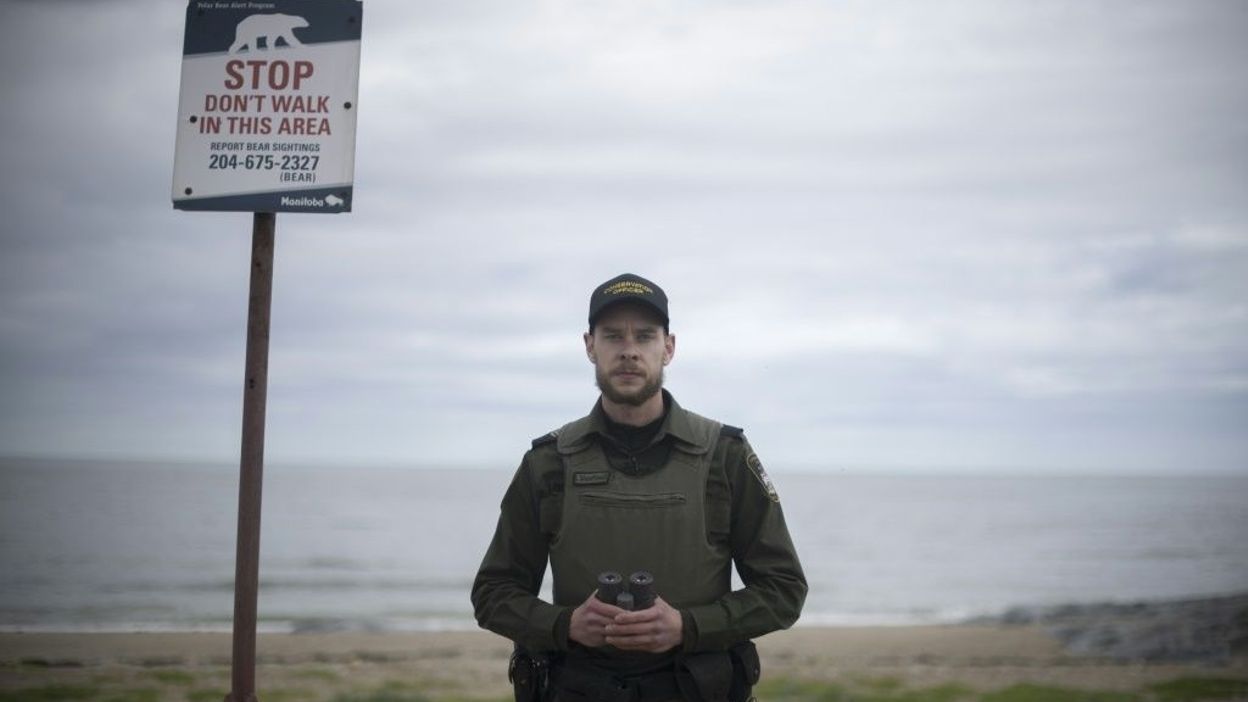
pixel 311 583
pixel 358 584
pixel 293 625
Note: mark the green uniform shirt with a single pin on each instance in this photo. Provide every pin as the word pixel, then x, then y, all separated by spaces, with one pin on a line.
pixel 740 501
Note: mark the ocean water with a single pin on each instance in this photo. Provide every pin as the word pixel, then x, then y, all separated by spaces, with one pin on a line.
pixel 122 547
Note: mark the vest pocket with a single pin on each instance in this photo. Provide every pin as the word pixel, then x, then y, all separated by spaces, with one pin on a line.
pixel 616 499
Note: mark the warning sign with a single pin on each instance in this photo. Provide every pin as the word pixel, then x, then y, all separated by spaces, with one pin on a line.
pixel 266 114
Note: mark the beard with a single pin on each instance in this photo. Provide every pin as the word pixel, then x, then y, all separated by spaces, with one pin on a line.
pixel 633 398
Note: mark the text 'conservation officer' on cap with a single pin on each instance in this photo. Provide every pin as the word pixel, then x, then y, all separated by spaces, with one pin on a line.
pixel 627 288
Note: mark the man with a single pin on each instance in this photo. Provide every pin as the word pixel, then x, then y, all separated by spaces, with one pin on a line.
pixel 638 485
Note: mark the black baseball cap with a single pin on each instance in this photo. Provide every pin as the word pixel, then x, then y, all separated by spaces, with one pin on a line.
pixel 627 287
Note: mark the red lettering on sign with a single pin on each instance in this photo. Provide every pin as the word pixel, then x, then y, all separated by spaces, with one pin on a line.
pixel 233 103
pixel 274 75
pixel 250 125
pixel 311 126
pixel 300 103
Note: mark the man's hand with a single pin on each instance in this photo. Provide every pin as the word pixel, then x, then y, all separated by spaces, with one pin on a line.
pixel 590 620
pixel 656 629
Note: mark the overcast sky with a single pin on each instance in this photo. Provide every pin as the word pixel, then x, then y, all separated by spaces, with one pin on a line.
pixel 991 236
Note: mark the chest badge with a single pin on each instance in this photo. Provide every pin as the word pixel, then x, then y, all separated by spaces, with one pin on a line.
pixel 597 477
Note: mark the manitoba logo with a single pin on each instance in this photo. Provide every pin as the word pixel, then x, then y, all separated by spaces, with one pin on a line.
pixel 304 201
pixel 310 201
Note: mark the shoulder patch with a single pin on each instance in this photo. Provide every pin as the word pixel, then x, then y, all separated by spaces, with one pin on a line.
pixel 547 438
pixel 728 430
pixel 756 467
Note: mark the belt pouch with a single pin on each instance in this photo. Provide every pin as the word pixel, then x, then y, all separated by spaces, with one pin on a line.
pixel 705 677
pixel 746 671
pixel 527 674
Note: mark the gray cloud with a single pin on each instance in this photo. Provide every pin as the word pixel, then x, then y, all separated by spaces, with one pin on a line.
pixel 967 234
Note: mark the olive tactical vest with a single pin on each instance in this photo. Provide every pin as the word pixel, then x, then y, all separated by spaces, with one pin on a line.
pixel 625 523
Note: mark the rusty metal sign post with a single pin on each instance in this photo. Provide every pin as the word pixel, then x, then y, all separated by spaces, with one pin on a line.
pixel 266 124
pixel 251 462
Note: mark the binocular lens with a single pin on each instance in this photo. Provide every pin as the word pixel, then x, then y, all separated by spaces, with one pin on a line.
pixel 641 578
pixel 610 585
pixel 636 594
pixel 641 584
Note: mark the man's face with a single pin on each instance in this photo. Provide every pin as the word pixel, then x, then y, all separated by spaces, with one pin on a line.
pixel 629 348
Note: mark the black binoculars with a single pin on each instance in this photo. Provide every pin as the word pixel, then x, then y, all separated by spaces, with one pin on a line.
pixel 635 595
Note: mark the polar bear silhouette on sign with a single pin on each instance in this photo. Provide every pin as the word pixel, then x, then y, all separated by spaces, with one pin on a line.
pixel 333 201
pixel 270 28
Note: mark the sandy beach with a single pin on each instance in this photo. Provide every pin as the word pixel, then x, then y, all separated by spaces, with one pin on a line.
pixel 970 662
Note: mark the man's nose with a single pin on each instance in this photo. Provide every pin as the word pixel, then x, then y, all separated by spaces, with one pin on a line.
pixel 630 350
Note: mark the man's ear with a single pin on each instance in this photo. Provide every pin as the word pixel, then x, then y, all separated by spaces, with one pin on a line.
pixel 589 348
pixel 669 348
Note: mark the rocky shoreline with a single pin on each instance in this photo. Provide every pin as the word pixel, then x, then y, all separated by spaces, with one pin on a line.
pixel 1209 631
